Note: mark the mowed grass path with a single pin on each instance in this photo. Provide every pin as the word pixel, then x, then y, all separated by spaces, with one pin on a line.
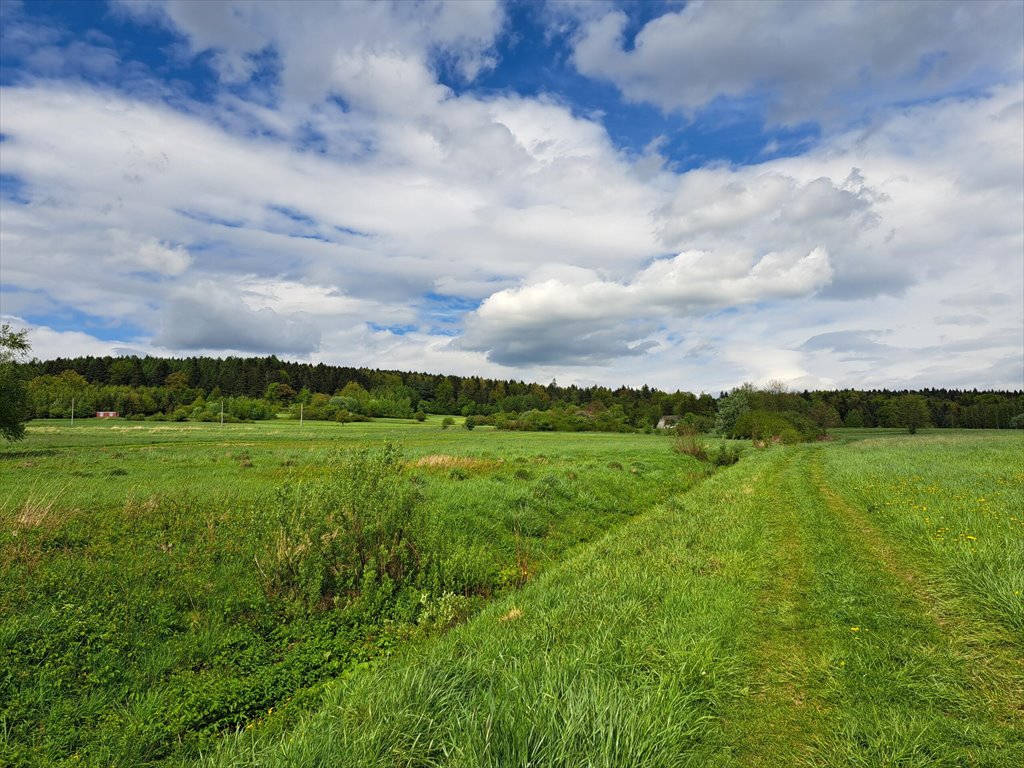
pixel 793 610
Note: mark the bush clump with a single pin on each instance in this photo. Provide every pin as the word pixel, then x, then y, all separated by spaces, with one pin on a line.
pixel 763 426
pixel 725 456
pixel 351 535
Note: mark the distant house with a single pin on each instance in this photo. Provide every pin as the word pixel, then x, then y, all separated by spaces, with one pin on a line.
pixel 106 414
pixel 667 422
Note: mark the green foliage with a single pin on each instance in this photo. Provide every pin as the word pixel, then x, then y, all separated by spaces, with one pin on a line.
pixel 133 385
pixel 724 455
pixel 567 418
pixel 13 395
pixel 391 393
pixel 854 419
pixel 910 411
pixel 696 422
pixel 352 533
pixel 689 443
pixel 773 415
pixel 420 416
pixel 279 393
pixel 770 426
pixel 444 611
pixel 446 422
pixel 730 410
pixel 824 415
pixel 320 407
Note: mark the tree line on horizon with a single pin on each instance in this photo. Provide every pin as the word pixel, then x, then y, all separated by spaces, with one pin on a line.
pixel 201 388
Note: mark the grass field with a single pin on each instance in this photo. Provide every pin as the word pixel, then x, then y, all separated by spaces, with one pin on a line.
pixel 849 603
pixel 136 621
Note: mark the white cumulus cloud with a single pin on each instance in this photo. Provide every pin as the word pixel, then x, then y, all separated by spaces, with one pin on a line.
pixel 807 61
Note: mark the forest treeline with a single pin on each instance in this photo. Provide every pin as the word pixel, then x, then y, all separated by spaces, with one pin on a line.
pixel 201 388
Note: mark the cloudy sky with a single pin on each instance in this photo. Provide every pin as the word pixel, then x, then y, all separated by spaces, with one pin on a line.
pixel 684 195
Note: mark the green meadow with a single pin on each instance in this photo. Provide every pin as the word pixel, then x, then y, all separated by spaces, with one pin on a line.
pixel 189 594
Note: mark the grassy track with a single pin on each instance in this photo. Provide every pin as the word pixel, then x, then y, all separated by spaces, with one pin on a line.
pixel 780 715
pixel 779 614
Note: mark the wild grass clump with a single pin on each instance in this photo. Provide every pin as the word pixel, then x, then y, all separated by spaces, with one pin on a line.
pixel 352 532
pixel 689 443
pixel 724 455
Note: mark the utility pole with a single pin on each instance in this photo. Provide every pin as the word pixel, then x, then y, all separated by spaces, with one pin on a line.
pixel 301 406
pixel 222 412
pixel 72 411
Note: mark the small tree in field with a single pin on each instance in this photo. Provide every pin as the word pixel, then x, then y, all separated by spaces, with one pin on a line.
pixel 14 347
pixel 912 412
pixel 824 415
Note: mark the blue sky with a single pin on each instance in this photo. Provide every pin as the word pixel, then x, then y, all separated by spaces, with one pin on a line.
pixel 688 195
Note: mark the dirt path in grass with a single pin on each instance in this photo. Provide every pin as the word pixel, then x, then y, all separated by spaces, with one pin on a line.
pixel 990 658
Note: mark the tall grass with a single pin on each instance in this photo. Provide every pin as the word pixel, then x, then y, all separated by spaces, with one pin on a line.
pixel 658 646
pixel 161 586
pixel 623 655
pixel 955 505
pixel 841 604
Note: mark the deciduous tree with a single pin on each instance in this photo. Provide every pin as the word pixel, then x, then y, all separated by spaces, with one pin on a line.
pixel 14 347
pixel 911 411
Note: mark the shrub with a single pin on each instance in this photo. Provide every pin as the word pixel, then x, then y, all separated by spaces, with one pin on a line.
pixel 725 455
pixel 446 422
pixel 445 611
pixel 771 426
pixel 695 422
pixel 349 535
